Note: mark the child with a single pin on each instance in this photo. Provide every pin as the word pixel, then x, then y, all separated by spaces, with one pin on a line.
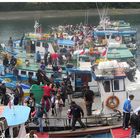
pixel 53 103
pixel 59 106
pixel 69 115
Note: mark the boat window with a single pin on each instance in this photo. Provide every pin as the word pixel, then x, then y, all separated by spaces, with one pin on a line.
pixel 85 77
pixel 45 44
pixel 23 72
pixel 38 44
pixel 61 46
pixel 118 85
pixel 106 85
pixel 31 73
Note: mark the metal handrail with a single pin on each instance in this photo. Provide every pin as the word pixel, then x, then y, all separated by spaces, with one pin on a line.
pixel 95 121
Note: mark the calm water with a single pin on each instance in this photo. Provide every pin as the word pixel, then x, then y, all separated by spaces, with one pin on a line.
pixel 16 28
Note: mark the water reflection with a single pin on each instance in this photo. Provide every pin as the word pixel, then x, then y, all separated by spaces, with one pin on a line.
pixel 16 28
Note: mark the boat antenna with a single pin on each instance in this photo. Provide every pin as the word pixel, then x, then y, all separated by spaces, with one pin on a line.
pixel 98 11
pixel 103 15
pixel 86 17
pixel 37 27
pixel 107 46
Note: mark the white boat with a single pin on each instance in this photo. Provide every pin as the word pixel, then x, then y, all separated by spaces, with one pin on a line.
pixel 114 85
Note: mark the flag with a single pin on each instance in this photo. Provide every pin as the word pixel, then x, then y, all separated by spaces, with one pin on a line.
pixel 104 52
pixel 82 52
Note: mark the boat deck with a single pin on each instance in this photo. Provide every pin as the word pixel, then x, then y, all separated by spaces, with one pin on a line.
pixel 57 124
pixel 81 132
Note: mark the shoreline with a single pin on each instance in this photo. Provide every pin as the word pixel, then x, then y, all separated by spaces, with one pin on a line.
pixel 14 15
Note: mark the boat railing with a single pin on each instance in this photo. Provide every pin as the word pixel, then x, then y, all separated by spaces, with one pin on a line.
pixel 55 123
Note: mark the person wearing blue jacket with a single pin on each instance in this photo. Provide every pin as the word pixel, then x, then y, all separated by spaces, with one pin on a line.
pixel 126 111
pixel 38 57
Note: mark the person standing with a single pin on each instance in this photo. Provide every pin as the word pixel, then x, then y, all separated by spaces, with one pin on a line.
pixel 59 106
pixel 69 116
pixel 5 98
pixel 126 111
pixel 138 125
pixel 39 116
pixel 43 67
pixel 13 62
pixel 20 92
pixel 53 103
pixel 31 102
pixel 46 104
pixel 47 90
pixel 15 73
pixel 38 57
pixel 89 98
pixel 76 112
pixel 134 122
pixel 69 92
pixel 5 63
pixel 46 58
pixel 63 92
pixel 10 44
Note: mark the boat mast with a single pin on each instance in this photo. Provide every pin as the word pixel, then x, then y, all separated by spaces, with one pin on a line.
pixel 37 27
pixel 86 17
pixel 102 16
pixel 102 23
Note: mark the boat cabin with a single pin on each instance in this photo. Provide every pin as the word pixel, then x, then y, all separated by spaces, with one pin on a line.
pixel 125 36
pixel 33 45
pixel 111 82
pixel 26 73
pixel 65 43
pixel 80 77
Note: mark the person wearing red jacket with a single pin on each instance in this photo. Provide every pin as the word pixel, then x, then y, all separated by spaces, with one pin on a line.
pixel 47 89
pixel 46 104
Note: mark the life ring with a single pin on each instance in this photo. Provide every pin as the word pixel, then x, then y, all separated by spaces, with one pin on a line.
pixel 112 102
pixel 117 38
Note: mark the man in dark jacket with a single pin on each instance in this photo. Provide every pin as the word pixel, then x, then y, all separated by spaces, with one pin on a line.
pixel 10 44
pixel 135 124
pixel 76 112
pixel 69 92
pixel 5 63
pixel 5 98
pixel 89 98
pixel 13 62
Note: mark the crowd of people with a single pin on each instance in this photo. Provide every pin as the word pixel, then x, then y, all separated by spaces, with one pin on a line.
pixel 59 95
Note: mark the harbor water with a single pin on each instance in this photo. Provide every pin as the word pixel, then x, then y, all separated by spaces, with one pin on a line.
pixel 16 27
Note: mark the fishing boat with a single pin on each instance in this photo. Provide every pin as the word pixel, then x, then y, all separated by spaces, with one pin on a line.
pixel 108 78
pixel 114 85
pixel 36 41
pixel 65 43
pixel 82 76
pixel 122 36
